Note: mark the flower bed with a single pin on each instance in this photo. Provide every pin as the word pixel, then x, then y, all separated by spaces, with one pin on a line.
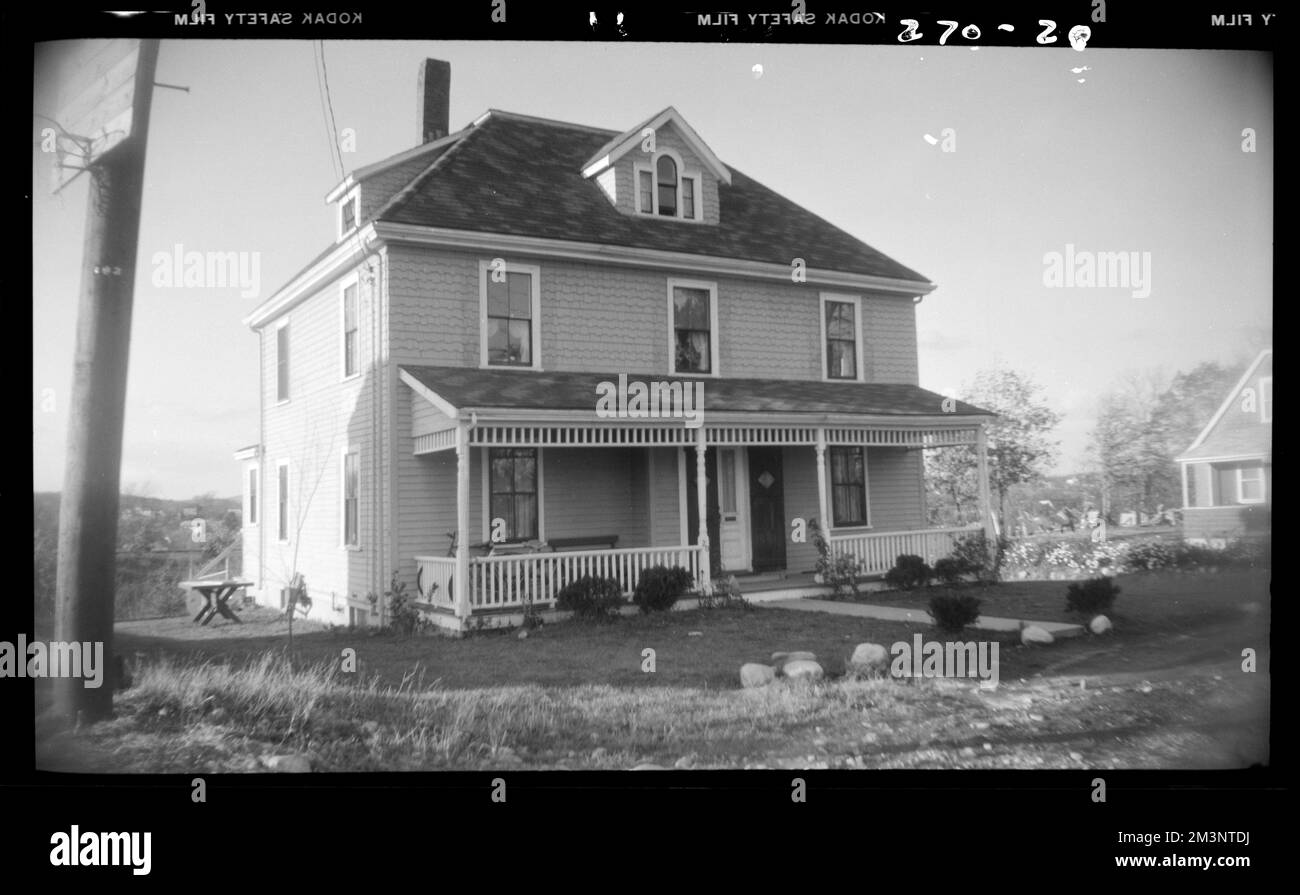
pixel 1085 559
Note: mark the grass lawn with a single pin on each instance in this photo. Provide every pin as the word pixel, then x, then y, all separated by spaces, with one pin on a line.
pixel 1164 690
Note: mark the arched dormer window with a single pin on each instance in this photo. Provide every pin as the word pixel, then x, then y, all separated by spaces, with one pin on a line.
pixel 666 169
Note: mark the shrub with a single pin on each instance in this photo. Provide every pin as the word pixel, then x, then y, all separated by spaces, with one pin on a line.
pixel 909 571
pixel 949 570
pixel 403 616
pixel 952 612
pixel 660 587
pixel 842 572
pixel 1092 596
pixel 726 595
pixel 1152 555
pixel 591 597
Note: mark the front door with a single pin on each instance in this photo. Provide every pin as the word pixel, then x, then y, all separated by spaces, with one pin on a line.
pixel 766 508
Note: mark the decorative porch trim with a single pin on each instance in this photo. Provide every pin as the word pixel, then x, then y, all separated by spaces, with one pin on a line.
pixel 432 442
pixel 581 435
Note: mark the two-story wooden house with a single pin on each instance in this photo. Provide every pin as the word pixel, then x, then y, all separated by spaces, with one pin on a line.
pixel 538 350
pixel 1227 471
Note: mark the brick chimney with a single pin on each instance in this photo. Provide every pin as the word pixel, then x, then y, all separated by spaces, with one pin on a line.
pixel 433 92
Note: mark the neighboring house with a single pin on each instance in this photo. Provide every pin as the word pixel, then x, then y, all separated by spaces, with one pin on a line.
pixel 1227 471
pixel 453 363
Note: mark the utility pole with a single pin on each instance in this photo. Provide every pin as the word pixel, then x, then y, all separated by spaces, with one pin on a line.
pixel 88 511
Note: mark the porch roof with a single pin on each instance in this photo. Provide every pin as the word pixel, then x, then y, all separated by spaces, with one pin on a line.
pixel 473 389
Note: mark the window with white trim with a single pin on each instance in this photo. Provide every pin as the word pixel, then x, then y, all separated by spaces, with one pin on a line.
pixel 513 486
pixel 251 514
pixel 349 212
pixel 350 330
pixel 511 306
pixel 848 486
pixel 282 499
pixel 841 337
pixel 1266 399
pixel 282 363
pixel 665 188
pixel 693 318
pixel 351 499
pixel 1250 484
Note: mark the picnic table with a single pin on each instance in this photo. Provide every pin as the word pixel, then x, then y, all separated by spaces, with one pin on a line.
pixel 215 593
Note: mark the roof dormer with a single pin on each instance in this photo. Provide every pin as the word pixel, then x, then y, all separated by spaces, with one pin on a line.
pixel 660 169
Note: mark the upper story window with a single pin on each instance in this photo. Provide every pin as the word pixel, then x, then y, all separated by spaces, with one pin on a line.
pixel 511 306
pixel 841 337
pixel 664 188
pixel 1266 399
pixel 349 213
pixel 350 339
pixel 282 363
pixel 693 317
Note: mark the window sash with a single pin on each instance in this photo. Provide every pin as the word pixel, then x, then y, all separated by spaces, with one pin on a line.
pixel 282 363
pixel 349 212
pixel 666 175
pixel 513 491
pixel 351 500
pixel 350 330
pixel 647 187
pixel 848 486
pixel 688 198
pixel 252 496
pixel 282 500
pixel 841 340
pixel 1250 484
pixel 509 320
pixel 692 325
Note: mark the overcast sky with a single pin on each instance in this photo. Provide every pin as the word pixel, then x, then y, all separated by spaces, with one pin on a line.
pixel 1144 155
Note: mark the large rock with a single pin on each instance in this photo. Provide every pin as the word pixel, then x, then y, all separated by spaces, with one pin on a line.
pixel 782 658
pixel 755 675
pixel 1100 625
pixel 1035 634
pixel 288 764
pixel 802 670
pixel 869 656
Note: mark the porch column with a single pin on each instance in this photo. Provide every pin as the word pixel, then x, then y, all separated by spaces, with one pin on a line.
pixel 701 505
pixel 461 594
pixel 986 499
pixel 823 522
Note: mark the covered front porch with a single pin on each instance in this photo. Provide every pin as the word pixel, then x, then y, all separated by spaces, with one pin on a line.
pixel 549 495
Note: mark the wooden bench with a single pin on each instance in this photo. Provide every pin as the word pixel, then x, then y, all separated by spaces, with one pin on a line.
pixel 588 542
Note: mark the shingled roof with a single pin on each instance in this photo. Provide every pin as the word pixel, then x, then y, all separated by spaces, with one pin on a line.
pixel 468 388
pixel 522 176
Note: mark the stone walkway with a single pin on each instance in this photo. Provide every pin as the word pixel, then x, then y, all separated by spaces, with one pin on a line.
pixel 919 616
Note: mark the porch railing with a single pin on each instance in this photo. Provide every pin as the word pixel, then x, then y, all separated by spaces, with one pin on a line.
pixel 433 577
pixel 503 582
pixel 878 551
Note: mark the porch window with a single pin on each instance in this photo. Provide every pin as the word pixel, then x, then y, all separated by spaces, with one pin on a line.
pixel 1266 399
pixel 848 486
pixel 510 319
pixel 351 499
pixel 350 330
pixel 1250 484
pixel 666 169
pixel 514 491
pixel 841 340
pixel 692 329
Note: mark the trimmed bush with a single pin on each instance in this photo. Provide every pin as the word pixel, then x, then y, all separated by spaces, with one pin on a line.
pixel 660 587
pixel 952 612
pixel 591 598
pixel 909 571
pixel 1092 596
pixel 949 570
